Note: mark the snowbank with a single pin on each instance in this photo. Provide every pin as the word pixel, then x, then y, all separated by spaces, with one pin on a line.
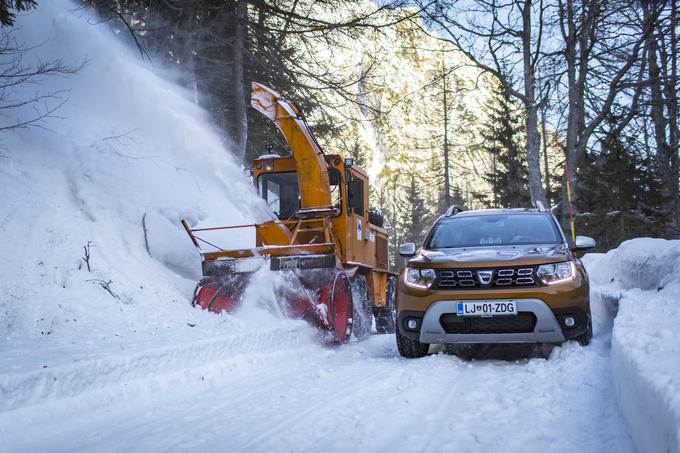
pixel 641 280
pixel 127 146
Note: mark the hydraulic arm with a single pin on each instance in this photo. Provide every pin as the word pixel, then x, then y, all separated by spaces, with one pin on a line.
pixel 312 168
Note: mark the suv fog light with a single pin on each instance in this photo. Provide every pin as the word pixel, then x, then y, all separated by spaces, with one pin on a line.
pixel 569 321
pixel 412 324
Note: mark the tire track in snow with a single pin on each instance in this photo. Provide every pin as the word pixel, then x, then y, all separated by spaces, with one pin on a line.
pixel 362 398
pixel 214 389
pixel 323 403
pixel 23 389
pixel 448 389
pixel 356 407
pixel 11 213
pixel 207 404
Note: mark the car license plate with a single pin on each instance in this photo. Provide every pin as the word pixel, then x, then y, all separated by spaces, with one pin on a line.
pixel 487 308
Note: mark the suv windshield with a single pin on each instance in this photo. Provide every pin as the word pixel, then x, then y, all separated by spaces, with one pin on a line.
pixel 494 229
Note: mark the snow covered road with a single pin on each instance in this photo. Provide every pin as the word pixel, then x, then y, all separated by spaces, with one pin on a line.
pixel 114 358
pixel 359 397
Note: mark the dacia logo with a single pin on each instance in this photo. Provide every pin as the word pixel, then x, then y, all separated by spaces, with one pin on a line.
pixel 484 277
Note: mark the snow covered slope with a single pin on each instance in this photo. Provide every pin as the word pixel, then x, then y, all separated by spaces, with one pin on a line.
pixel 641 279
pixel 126 145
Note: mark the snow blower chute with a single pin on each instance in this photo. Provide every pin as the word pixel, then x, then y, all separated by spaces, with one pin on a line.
pixel 326 241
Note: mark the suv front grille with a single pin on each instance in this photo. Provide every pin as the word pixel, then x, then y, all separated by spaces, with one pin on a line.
pixel 502 277
pixel 523 322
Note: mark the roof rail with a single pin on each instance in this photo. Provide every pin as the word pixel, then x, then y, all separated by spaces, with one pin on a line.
pixel 453 210
pixel 539 205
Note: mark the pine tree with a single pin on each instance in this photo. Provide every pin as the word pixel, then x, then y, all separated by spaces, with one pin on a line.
pixel 221 46
pixel 358 152
pixel 387 204
pixel 619 195
pixel 415 216
pixel 509 177
pixel 7 14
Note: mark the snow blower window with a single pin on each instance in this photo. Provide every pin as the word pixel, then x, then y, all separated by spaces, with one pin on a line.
pixel 280 191
pixel 334 180
pixel 484 230
pixel 355 196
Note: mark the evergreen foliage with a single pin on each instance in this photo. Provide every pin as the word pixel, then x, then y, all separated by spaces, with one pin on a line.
pixel 502 134
pixel 221 46
pixel 415 217
pixel 6 6
pixel 619 195
pixel 358 152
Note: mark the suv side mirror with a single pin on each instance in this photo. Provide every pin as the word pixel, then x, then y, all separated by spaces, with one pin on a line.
pixel 584 244
pixel 407 250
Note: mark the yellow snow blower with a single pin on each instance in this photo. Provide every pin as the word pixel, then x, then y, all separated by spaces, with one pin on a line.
pixel 331 247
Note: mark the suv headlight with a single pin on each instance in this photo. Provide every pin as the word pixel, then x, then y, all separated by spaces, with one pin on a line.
pixel 553 273
pixel 419 278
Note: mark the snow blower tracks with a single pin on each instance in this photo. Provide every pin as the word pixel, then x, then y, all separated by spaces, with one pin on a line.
pixel 279 391
pixel 19 389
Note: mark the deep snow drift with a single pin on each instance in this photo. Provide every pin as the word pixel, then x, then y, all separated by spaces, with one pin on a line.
pixel 641 281
pixel 126 144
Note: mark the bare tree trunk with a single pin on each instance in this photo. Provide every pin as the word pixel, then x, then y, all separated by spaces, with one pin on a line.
pixel 663 150
pixel 533 147
pixel 378 157
pixel 447 185
pixel 241 87
pixel 670 70
pixel 673 85
pixel 533 142
pixel 575 102
pixel 579 25
pixel 546 169
pixel 188 31
pixel 663 109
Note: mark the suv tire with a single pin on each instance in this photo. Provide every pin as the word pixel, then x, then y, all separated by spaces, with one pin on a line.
pixel 411 349
pixel 585 337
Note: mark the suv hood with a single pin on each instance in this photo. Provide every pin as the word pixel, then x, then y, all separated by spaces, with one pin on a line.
pixel 510 255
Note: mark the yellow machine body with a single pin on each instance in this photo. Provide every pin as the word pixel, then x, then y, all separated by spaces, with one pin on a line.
pixel 327 213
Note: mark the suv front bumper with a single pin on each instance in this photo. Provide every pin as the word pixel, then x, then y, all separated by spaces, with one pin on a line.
pixel 430 327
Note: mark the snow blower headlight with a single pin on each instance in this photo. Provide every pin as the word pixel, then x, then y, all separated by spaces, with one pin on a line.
pixel 551 274
pixel 419 278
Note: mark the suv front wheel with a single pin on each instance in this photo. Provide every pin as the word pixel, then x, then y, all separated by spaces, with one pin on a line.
pixel 411 349
pixel 585 337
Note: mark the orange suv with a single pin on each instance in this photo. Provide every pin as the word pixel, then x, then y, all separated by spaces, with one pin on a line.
pixel 493 276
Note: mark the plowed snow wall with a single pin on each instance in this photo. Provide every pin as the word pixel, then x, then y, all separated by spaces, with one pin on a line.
pixel 644 275
pixel 650 406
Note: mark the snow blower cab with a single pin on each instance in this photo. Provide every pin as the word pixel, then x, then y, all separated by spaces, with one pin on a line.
pixel 329 246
